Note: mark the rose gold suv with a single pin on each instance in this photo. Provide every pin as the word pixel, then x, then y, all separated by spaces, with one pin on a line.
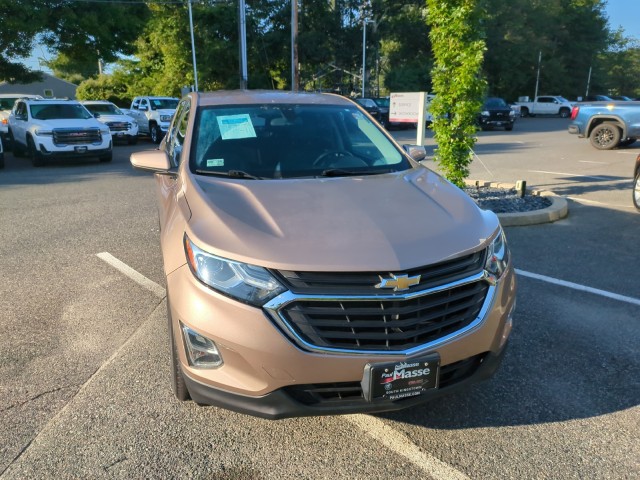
pixel 314 267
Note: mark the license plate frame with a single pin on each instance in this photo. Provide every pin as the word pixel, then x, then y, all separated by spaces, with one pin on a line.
pixel 401 379
pixel 80 149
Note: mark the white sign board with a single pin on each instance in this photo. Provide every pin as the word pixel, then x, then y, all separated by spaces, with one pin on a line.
pixel 410 107
pixel 405 106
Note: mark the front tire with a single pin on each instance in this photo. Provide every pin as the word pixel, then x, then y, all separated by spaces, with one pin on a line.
pixel 36 157
pixel 18 151
pixel 524 112
pixel 636 191
pixel 509 128
pixel 605 136
pixel 156 133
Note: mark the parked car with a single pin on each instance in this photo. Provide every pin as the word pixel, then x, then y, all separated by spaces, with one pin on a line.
pixel 596 98
pixel 122 126
pixel 313 266
pixel 607 125
pixel 153 115
pixel 622 98
pixel 496 113
pixel 372 108
pixel 53 128
pixel 7 100
pixel 1 154
pixel 636 183
pixel 545 105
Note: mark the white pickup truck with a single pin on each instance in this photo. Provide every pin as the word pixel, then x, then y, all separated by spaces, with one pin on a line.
pixel 545 105
pixel 153 115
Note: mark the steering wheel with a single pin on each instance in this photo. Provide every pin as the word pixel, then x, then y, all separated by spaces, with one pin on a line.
pixel 334 158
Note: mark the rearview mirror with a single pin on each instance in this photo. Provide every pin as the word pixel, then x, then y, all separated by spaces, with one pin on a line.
pixel 417 152
pixel 155 161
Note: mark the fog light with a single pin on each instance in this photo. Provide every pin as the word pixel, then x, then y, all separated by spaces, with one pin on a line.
pixel 201 351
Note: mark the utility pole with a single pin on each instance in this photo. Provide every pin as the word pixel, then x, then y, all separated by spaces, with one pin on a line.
pixel 243 46
pixel 295 72
pixel 538 77
pixel 193 49
pixel 588 82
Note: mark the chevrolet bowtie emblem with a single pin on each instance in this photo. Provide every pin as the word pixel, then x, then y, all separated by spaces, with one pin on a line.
pixel 399 282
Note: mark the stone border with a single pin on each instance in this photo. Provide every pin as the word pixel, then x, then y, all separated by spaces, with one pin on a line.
pixel 558 209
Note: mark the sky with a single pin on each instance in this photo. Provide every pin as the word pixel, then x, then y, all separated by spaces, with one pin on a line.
pixel 621 13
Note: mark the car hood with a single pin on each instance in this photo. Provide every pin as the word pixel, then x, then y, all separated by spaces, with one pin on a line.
pixel 166 111
pixel 386 222
pixel 114 118
pixel 70 123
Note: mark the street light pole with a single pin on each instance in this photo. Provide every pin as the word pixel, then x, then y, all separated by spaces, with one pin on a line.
pixel 364 51
pixel 243 46
pixel 295 73
pixel 193 49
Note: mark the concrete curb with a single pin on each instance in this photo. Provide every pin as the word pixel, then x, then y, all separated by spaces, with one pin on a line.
pixel 558 209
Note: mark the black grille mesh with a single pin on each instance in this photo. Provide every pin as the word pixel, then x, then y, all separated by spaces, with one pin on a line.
pixel 385 324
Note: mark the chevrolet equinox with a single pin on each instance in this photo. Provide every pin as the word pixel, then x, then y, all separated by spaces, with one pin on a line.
pixel 314 266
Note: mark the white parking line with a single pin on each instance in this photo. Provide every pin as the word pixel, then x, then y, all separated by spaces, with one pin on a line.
pixel 132 274
pixel 376 428
pixel 597 163
pixel 400 444
pixel 576 286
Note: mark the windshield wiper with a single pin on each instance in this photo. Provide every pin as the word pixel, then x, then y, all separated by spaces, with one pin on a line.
pixel 343 172
pixel 230 173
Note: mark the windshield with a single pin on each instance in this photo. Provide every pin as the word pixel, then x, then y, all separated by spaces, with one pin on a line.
pixel 59 111
pixel 103 109
pixel 288 141
pixel 495 103
pixel 7 103
pixel 163 103
pixel 382 102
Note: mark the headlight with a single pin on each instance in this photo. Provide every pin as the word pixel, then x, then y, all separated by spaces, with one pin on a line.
pixel 43 133
pixel 485 113
pixel 247 283
pixel 165 118
pixel 497 257
pixel 512 113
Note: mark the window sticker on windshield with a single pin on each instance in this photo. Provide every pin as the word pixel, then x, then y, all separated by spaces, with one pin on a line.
pixel 236 126
pixel 215 162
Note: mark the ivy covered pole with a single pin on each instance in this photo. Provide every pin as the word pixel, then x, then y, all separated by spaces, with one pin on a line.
pixel 458 47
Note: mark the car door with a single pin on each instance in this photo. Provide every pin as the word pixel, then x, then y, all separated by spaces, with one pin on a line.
pixel 19 122
pixel 545 106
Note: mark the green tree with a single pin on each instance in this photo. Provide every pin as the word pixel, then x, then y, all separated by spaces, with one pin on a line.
pixel 458 48
pixel 81 33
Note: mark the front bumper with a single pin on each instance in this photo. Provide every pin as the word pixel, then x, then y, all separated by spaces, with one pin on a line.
pixel 266 374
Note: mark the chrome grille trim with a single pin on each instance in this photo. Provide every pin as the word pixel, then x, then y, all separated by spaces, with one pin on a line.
pixel 68 136
pixel 275 306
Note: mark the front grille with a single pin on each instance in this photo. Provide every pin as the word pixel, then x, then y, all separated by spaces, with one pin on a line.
pixel 384 324
pixel 363 283
pixel 119 126
pixel 76 137
pixel 351 392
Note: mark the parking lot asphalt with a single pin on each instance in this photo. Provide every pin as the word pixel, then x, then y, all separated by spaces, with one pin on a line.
pixel 84 361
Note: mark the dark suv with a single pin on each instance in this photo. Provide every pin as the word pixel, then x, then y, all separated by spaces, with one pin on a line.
pixel 496 113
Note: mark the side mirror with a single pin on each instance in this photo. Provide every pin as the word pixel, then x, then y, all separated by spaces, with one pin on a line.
pixel 155 161
pixel 416 152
